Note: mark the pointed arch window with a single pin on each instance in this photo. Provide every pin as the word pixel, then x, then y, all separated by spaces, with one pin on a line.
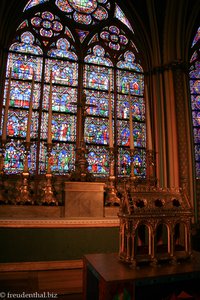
pixel 194 74
pixel 62 37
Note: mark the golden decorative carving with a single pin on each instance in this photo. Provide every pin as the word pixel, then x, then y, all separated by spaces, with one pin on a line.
pixel 24 196
pixel 48 197
pixel 111 196
pixel 154 225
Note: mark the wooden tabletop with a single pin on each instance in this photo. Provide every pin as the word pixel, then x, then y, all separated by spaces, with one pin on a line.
pixel 110 268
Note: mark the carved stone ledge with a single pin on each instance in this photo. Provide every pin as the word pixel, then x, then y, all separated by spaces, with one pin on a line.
pixel 67 223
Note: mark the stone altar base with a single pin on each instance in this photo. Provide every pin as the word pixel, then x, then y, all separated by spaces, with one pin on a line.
pixel 84 199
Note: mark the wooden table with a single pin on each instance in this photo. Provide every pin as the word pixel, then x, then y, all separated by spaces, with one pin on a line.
pixel 107 278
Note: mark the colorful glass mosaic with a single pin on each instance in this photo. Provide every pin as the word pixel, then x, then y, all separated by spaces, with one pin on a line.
pixel 102 64
pixel 194 75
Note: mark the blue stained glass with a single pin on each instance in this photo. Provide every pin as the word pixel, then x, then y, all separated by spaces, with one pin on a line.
pixel 136 82
pixel 96 77
pixel 124 134
pixel 14 157
pixel 197 135
pixel 138 133
pixel 96 131
pixel 100 100
pixel 198 169
pixel 124 162
pixel 195 102
pixel 140 163
pixel 195 86
pixel 32 3
pixel 197 37
pixel 26 45
pixel 98 160
pixel 63 158
pixel 20 94
pixel 23 66
pixel 17 123
pixel 61 98
pixel 129 62
pixel 98 57
pixel 63 73
pixel 82 18
pixel 121 16
pixel 84 12
pixel 62 50
pixel 64 63
pixel 194 75
pixel 196 118
pixel 138 108
pixel 63 127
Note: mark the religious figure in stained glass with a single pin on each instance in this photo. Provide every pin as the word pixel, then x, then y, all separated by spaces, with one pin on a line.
pixel 84 63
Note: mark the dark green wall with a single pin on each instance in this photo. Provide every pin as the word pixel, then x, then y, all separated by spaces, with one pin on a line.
pixel 44 244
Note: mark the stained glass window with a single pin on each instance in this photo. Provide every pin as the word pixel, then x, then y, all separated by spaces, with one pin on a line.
pixel 195 96
pixel 60 38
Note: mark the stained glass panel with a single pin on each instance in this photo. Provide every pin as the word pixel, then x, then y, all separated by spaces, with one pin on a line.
pixel 197 37
pixel 62 50
pixel 197 152
pixel 61 57
pixel 63 127
pixel 32 3
pixel 26 45
pixel 136 81
pixel 14 157
pixel 121 16
pixel 98 160
pixel 98 57
pixel 198 169
pixel 138 133
pixel 63 73
pixel 61 98
pixel 196 118
pixel 96 130
pixel 96 77
pixel 113 38
pixel 138 108
pixel 20 94
pixel 124 162
pixel 100 100
pixel 195 86
pixel 195 102
pixel 17 124
pixel 129 62
pixel 82 18
pixel 194 74
pixel 63 158
pixel 22 66
pixel 100 14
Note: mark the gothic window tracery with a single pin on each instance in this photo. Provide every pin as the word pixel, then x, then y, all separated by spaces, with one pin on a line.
pixel 81 59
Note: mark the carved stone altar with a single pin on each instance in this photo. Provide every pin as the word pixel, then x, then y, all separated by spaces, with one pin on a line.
pixel 84 199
